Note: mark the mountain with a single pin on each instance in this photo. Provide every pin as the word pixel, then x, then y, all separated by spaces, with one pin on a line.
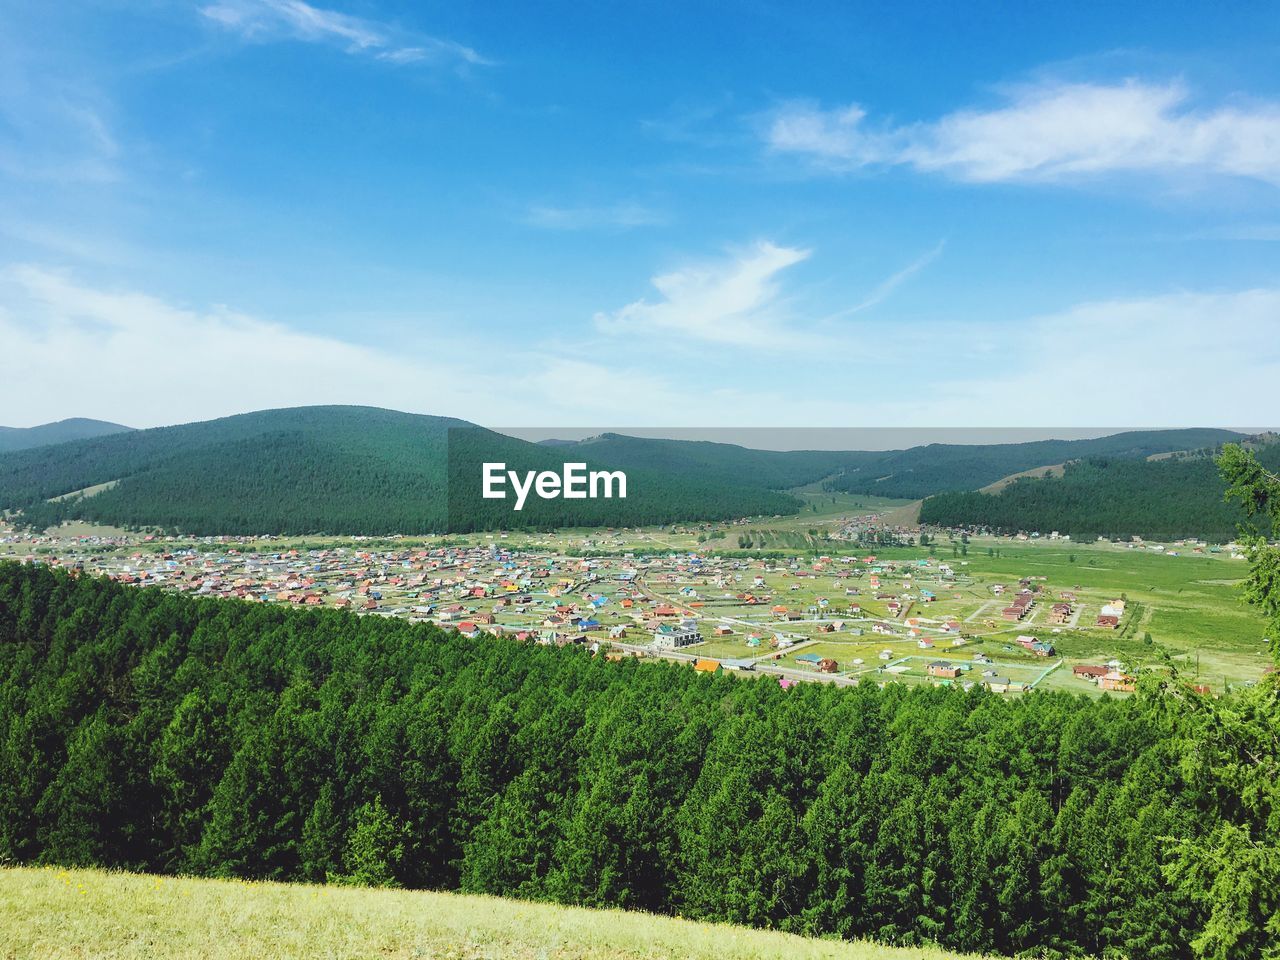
pixel 77 428
pixel 937 467
pixel 363 470
pixel 332 470
pixel 1165 499
pixel 725 462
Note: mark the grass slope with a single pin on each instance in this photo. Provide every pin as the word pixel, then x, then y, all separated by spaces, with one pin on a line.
pixel 95 915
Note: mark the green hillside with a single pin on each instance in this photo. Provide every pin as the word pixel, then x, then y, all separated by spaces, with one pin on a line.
pixel 726 462
pixel 1163 499
pixel 95 915
pixel 162 733
pixel 936 468
pixel 358 470
pixel 362 470
pixel 77 428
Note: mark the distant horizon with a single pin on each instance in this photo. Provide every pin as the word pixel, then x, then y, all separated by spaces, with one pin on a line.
pixel 780 438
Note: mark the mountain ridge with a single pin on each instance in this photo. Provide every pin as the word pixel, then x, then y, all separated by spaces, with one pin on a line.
pixel 56 431
pixel 358 469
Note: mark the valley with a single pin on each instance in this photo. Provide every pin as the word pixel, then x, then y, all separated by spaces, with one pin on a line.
pixel 835 593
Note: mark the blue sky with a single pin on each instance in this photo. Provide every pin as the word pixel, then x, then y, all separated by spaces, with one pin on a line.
pixel 750 214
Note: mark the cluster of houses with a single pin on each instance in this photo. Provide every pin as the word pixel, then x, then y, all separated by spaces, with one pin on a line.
pixel 945 672
pixel 664 602
pixel 1022 602
pixel 1110 676
pixel 1039 647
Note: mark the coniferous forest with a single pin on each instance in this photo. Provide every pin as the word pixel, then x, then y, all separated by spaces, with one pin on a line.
pixel 1160 499
pixel 153 731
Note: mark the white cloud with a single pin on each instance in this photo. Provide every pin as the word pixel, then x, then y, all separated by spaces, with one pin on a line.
pixel 625 215
pixel 1185 358
pixel 71 350
pixel 1203 358
pixel 267 20
pixel 1049 132
pixel 732 302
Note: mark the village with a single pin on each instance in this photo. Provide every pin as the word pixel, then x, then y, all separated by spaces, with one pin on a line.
pixel 841 617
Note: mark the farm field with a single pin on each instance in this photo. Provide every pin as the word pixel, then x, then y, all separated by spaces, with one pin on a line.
pixel 100 915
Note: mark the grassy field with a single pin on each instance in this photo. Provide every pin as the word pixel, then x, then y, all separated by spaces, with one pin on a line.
pixel 48 913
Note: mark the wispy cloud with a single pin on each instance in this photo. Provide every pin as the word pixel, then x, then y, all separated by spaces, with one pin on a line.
pixel 1049 132
pixel 885 288
pixel 56 124
pixel 1206 356
pixel 623 216
pixel 116 350
pixel 735 301
pixel 273 20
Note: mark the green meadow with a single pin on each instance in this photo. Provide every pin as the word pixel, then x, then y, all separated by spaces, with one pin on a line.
pixel 99 915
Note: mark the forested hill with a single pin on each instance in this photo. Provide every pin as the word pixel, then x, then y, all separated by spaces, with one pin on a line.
pixel 77 428
pixel 910 473
pixel 158 732
pixel 937 467
pixel 726 462
pixel 362 470
pixel 357 470
pixel 1163 499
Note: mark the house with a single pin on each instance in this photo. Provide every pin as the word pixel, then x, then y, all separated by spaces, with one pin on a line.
pixel 1115 680
pixel 468 629
pixel 810 658
pixel 670 637
pixel 940 668
pixel 1088 671
pixel 1107 622
pixel 738 664
pixel 827 665
pixel 702 665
